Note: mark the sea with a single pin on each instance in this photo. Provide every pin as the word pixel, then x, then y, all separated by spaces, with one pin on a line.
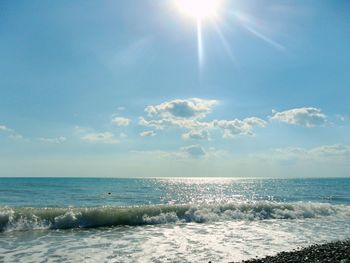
pixel 167 219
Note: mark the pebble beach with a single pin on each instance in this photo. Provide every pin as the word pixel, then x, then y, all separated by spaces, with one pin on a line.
pixel 335 252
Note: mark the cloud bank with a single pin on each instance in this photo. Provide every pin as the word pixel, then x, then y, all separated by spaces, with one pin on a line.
pixel 233 128
pixel 189 114
pixel 11 133
pixel 193 108
pixel 307 117
pixel 102 137
pixel 57 140
pixel 194 151
pixel 121 121
pixel 147 134
pixel 4 128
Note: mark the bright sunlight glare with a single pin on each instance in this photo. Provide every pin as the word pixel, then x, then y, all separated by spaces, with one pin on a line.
pixel 199 9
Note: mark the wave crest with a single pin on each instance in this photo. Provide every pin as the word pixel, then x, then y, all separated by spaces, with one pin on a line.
pixel 65 218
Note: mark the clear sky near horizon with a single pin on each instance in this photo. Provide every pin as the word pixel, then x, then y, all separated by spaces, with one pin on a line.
pixel 147 88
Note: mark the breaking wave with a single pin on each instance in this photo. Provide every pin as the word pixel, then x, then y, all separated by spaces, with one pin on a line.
pixel 90 217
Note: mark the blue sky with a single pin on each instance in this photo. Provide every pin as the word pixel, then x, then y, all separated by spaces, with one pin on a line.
pixel 115 88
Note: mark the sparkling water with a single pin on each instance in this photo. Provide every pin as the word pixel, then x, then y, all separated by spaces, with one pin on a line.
pixel 167 220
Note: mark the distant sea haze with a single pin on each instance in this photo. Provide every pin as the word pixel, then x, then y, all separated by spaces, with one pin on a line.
pixel 167 220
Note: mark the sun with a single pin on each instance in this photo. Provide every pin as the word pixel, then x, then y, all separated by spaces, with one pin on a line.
pixel 199 9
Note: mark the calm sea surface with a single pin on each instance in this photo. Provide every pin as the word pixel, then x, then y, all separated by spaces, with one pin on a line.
pixel 167 220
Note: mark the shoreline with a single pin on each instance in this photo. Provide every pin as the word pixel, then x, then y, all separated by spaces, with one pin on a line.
pixel 333 252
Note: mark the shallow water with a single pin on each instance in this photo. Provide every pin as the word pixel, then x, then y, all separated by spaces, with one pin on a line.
pixel 167 220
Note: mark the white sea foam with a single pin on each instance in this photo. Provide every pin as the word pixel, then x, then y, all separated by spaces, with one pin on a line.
pixel 223 241
pixel 64 218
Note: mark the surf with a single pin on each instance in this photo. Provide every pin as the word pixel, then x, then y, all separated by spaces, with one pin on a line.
pixel 27 218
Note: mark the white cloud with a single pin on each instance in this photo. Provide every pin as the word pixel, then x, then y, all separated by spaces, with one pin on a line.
pixel 103 137
pixel 308 117
pixel 57 140
pixel 147 134
pixel 193 108
pixel 232 128
pixel 160 124
pixel 156 124
pixel 11 133
pixel 188 114
pixel 254 121
pixel 196 135
pixel 331 150
pixel 121 121
pixel 340 117
pixel 194 151
pixel 321 153
pixel 4 128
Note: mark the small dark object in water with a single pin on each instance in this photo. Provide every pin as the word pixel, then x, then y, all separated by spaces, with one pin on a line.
pixel 109 193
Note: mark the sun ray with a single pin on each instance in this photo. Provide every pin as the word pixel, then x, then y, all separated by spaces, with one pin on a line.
pixel 265 38
pixel 203 12
pixel 248 25
pixel 200 44
pixel 224 42
pixel 200 11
